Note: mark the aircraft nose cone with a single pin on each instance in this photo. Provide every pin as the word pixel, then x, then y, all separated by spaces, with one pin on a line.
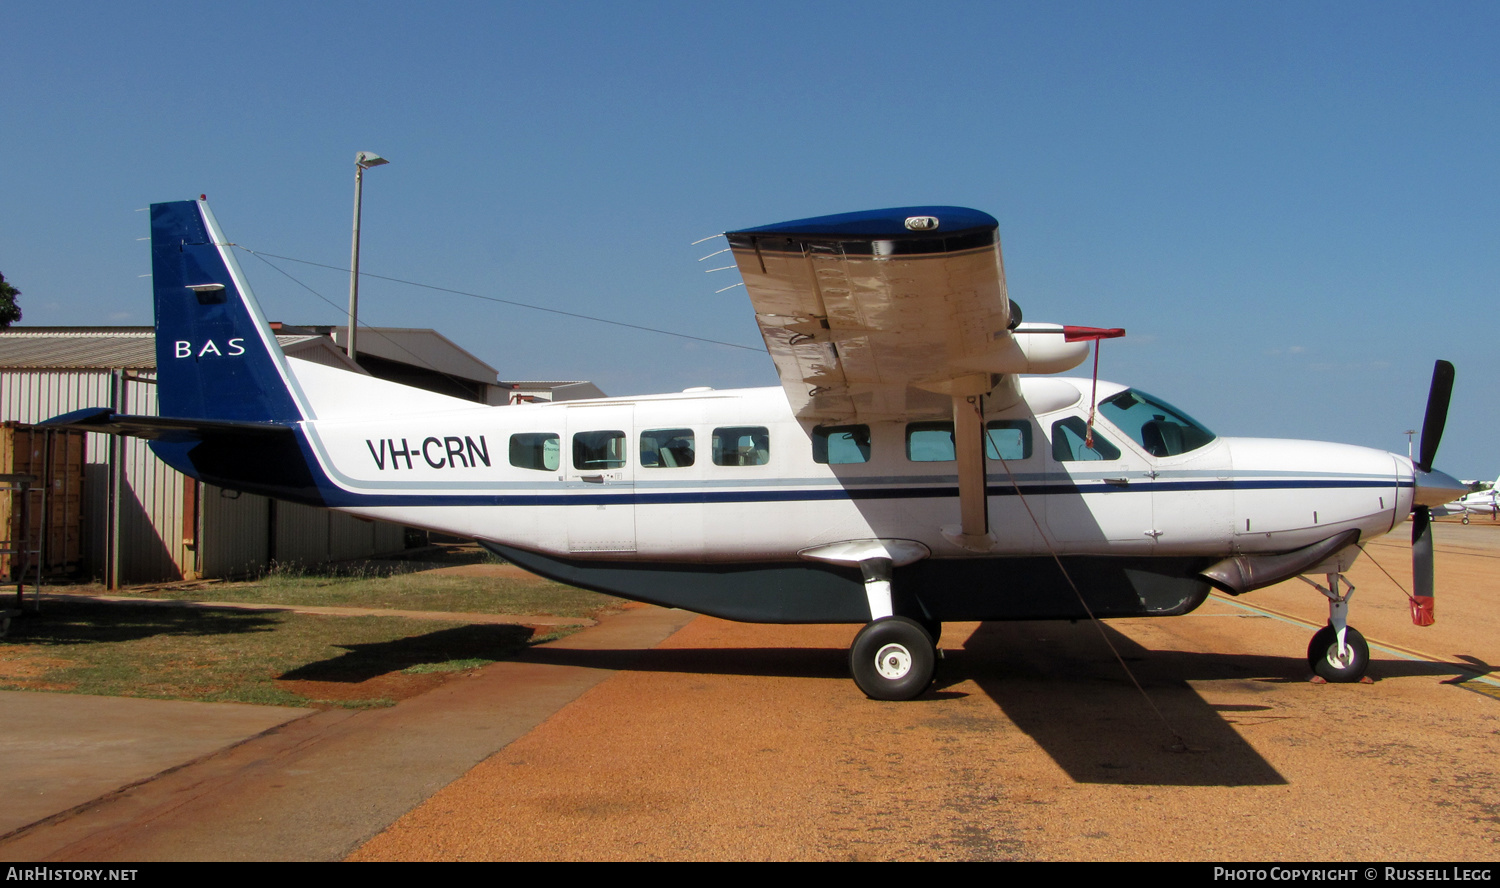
pixel 1435 488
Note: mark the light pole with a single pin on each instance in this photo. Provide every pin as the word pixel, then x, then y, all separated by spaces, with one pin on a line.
pixel 1409 433
pixel 362 161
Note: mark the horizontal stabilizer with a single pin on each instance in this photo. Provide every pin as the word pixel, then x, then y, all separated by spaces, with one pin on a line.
pixel 159 428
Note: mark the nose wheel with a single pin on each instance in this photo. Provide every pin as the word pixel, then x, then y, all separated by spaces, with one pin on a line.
pixel 1334 663
pixel 1337 652
pixel 892 659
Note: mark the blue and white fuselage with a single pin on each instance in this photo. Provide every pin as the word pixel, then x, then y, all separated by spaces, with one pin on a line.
pixel 899 481
pixel 452 470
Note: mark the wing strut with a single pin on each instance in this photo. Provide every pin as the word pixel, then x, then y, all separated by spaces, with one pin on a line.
pixel 973 532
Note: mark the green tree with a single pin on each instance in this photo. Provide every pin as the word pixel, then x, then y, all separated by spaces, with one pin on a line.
pixel 10 312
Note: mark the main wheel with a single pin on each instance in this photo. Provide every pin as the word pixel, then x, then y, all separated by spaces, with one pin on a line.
pixel 892 659
pixel 1323 655
pixel 1465 519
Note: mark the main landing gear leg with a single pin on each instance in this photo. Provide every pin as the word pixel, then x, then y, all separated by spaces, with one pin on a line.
pixel 893 657
pixel 1338 652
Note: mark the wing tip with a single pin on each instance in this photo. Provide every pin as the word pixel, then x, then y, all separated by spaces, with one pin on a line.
pixel 891 223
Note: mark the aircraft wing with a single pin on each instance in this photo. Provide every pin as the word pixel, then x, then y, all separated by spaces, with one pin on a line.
pixel 888 314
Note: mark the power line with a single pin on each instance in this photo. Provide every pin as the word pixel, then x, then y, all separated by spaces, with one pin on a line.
pixel 418 361
pixel 511 302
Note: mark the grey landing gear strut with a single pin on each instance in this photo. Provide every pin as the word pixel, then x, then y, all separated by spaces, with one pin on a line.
pixel 893 657
pixel 1337 652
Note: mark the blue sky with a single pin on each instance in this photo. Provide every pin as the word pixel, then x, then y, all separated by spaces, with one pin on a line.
pixel 1293 208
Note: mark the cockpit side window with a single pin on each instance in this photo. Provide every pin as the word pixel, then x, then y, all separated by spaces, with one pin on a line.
pixel 1161 429
pixel 1068 437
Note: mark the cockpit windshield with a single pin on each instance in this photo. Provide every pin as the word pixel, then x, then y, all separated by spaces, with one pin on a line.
pixel 1160 428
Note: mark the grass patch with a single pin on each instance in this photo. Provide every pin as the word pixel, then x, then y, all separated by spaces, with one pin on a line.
pixel 450 666
pixel 290 659
pixel 404 591
pixel 274 658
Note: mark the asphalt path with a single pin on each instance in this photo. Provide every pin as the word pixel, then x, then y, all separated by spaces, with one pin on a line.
pixel 313 788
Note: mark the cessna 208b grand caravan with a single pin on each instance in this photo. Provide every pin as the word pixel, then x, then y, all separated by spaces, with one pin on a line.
pixel 919 463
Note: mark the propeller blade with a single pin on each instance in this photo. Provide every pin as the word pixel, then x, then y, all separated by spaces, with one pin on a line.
pixel 1421 567
pixel 1437 413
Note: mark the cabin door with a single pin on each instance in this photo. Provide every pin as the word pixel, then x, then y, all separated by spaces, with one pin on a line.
pixel 1100 497
pixel 598 459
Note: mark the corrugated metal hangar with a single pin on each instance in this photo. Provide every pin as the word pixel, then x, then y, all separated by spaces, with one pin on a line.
pixel 142 522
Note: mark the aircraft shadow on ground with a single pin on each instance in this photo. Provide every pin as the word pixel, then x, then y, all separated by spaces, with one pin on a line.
pixel 65 622
pixel 361 662
pixel 786 662
pixel 1059 683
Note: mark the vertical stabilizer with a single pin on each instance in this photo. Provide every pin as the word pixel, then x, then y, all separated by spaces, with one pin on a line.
pixel 216 358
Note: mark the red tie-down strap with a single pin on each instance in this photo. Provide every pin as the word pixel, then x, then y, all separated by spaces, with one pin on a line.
pixel 1092 334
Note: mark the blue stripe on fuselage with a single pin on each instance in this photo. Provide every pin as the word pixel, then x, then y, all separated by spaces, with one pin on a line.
pixel 767 492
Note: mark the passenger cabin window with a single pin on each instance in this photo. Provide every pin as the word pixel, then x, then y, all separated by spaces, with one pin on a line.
pixel 599 450
pixel 536 450
pixel 1068 436
pixel 1007 439
pixel 1161 429
pixel 839 445
pixel 667 448
pixel 929 441
pixel 742 446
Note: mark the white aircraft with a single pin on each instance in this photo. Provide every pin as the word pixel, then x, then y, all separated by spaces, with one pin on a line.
pixel 905 474
pixel 1478 502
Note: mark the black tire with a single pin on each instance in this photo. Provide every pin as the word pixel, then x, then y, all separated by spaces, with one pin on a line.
pixel 1322 655
pixel 1465 519
pixel 892 659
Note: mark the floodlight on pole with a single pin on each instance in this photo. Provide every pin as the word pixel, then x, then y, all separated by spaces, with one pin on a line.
pixel 362 161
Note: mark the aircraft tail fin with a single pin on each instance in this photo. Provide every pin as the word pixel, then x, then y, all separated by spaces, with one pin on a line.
pixel 216 357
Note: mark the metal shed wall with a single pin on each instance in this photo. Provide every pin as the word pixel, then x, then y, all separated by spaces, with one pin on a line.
pixel 151 545
pixel 232 533
pixel 233 541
